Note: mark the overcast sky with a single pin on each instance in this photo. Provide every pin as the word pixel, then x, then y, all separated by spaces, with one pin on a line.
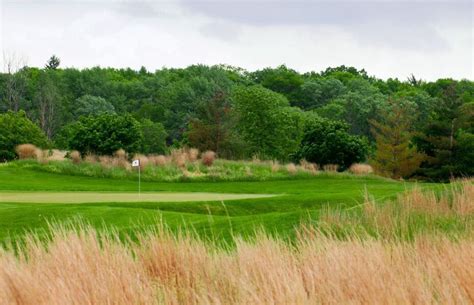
pixel 387 38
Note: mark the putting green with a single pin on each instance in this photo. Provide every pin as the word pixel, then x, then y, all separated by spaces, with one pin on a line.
pixel 85 197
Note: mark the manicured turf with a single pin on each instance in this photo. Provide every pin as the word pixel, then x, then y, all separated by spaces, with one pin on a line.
pixel 298 200
pixel 87 197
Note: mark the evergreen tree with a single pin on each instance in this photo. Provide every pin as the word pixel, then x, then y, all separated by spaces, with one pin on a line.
pixel 396 156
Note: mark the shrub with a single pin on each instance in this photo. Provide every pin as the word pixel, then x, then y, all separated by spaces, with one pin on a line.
pixel 208 158
pixel 328 142
pixel 361 169
pixel 104 134
pixel 16 129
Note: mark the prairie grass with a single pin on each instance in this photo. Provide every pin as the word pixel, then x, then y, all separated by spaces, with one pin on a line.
pixel 413 212
pixel 28 151
pixel 180 165
pixel 208 158
pixel 361 169
pixel 330 167
pixel 84 267
pixel 175 168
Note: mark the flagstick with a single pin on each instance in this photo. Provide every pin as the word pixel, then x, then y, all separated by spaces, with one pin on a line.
pixel 139 186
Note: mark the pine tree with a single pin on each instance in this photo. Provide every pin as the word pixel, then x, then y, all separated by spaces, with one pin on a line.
pixel 396 156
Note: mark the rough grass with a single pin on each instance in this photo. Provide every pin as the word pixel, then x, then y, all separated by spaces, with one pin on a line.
pixel 83 267
pixel 176 168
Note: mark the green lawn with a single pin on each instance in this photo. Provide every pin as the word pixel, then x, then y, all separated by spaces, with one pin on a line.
pixel 297 200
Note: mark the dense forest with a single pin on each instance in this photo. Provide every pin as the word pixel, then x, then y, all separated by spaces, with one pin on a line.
pixel 405 128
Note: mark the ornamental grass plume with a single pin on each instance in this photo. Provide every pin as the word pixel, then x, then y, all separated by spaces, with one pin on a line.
pixel 208 158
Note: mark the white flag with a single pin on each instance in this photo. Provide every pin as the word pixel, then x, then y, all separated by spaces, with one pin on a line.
pixel 135 163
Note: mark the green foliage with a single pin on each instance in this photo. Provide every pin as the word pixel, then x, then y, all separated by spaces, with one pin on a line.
pixel 16 129
pixel 282 80
pixel 464 154
pixel 328 142
pixel 154 137
pixel 270 128
pixel 183 101
pixel 88 105
pixel 440 138
pixel 104 134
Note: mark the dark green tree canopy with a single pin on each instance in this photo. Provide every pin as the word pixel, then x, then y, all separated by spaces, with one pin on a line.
pixel 328 142
pixel 16 129
pixel 269 127
pixel 104 134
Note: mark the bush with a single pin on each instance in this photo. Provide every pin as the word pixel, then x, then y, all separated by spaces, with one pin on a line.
pixel 103 134
pixel 328 142
pixel 16 129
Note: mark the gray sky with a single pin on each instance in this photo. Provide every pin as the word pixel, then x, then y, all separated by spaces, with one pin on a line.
pixel 387 38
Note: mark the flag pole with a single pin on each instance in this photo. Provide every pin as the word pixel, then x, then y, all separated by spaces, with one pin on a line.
pixel 139 186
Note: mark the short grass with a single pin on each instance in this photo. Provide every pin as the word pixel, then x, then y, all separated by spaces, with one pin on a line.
pixel 299 199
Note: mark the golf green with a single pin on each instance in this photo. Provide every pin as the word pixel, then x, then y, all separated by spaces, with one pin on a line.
pixel 88 197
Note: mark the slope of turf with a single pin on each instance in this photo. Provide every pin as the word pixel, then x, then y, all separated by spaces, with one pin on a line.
pixel 301 198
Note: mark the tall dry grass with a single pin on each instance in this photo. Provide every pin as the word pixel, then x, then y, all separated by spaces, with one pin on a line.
pixel 361 169
pixel 413 212
pixel 29 151
pixel 82 268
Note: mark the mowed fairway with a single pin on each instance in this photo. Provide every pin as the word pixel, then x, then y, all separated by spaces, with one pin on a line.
pixel 32 199
pixel 87 197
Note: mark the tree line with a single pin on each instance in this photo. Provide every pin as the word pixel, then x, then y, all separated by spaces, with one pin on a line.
pixel 405 128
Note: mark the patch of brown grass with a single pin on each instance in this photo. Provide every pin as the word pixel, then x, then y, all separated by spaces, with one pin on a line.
pixel 291 168
pixel 75 157
pixel 158 160
pixel 179 157
pixel 309 167
pixel 275 166
pixel 361 169
pixel 91 158
pixel 192 154
pixel 330 168
pixel 28 151
pixel 83 268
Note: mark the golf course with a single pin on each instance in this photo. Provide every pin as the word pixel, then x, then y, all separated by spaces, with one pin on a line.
pixel 31 199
